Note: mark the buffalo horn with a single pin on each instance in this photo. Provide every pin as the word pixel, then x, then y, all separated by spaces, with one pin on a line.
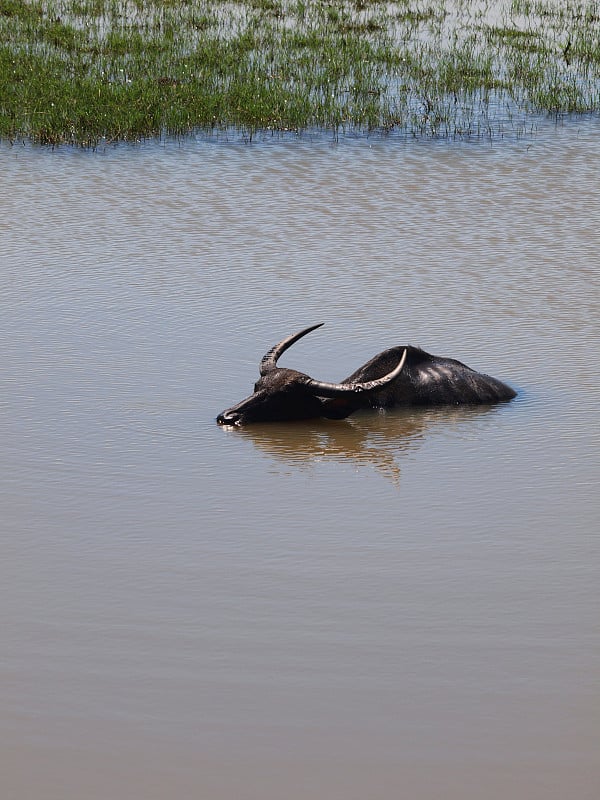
pixel 335 389
pixel 269 361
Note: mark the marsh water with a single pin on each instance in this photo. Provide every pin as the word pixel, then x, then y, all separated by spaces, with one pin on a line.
pixel 399 605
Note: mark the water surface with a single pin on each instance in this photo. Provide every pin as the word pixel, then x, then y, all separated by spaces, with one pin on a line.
pixel 397 605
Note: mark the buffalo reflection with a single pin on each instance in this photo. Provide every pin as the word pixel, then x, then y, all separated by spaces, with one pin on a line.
pixel 378 440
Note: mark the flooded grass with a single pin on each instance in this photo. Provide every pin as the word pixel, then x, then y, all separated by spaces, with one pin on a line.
pixel 126 69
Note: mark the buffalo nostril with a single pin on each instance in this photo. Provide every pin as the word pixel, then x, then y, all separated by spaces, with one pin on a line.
pixel 227 418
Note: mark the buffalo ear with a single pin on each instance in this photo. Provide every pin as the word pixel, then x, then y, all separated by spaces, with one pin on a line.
pixel 338 408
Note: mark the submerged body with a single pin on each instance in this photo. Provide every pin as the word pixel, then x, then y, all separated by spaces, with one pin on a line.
pixel 400 376
pixel 428 380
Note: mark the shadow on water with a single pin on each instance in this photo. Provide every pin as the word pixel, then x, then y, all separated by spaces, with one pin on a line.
pixel 380 440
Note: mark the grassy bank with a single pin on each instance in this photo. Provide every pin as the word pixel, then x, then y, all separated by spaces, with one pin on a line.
pixel 124 69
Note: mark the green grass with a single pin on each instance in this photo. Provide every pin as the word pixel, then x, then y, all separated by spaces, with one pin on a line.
pixel 89 70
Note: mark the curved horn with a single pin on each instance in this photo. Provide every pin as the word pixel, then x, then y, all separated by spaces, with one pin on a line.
pixel 269 361
pixel 335 389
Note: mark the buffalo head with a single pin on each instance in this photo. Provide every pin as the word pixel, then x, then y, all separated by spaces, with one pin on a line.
pixel 284 394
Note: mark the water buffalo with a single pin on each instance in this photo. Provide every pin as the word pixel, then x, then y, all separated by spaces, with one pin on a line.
pixel 400 376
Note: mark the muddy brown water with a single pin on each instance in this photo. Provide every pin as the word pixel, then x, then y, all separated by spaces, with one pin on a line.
pixel 398 605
